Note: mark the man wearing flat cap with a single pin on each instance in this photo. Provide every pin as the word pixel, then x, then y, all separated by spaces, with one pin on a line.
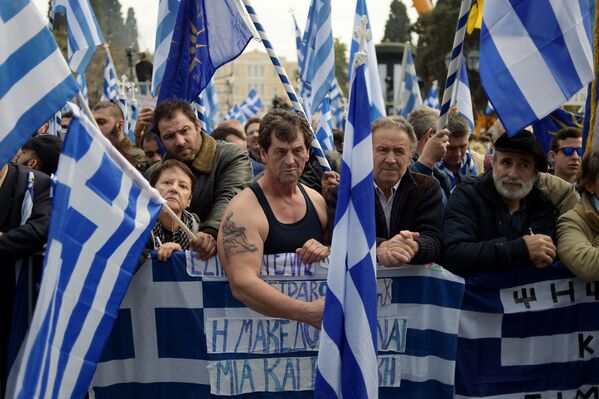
pixel 41 153
pixel 506 218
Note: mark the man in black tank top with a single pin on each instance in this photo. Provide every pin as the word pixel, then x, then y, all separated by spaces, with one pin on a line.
pixel 276 214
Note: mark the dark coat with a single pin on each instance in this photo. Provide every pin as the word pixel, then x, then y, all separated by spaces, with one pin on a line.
pixel 221 170
pixel 478 235
pixel 18 242
pixel 416 207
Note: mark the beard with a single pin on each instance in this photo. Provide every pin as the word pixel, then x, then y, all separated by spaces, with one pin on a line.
pixel 517 194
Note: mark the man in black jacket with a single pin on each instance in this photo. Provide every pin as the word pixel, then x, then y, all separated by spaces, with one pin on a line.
pixel 23 233
pixel 506 218
pixel 408 205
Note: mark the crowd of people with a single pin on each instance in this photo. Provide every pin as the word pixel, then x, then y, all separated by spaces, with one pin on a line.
pixel 495 203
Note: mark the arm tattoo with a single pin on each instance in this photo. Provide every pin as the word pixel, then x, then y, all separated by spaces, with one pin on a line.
pixel 234 238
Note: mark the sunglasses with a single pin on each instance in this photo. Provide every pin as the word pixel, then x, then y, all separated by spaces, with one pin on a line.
pixel 568 151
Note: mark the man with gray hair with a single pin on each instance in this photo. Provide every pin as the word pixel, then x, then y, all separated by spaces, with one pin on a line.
pixel 408 206
pixel 506 218
pixel 431 147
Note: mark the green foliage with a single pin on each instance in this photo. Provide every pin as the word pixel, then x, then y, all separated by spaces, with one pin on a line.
pixel 397 28
pixel 341 67
pixel 436 31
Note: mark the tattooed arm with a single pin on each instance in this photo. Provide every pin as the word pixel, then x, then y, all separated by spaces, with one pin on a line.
pixel 240 246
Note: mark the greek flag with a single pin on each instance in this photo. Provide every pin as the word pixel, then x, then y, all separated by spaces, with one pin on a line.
pixel 55 124
pixel 432 98
pixel 373 80
pixel 251 105
pixel 82 82
pixel 167 16
pixel 110 87
pixel 546 127
pixel 35 81
pixel 528 333
pixel 132 113
pixel 209 96
pixel 84 33
pixel 347 362
pixel 299 45
pixel 207 35
pixel 102 213
pixel 337 105
pixel 235 113
pixel 534 56
pixel 409 98
pixel 318 71
pixel 324 132
pixel 462 99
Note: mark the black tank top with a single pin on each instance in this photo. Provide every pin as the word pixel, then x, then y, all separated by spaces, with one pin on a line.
pixel 283 238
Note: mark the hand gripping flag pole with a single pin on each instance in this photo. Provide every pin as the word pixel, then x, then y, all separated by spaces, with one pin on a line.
pixel 454 66
pixel 322 160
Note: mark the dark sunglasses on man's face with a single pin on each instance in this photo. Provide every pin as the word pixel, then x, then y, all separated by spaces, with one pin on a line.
pixel 568 151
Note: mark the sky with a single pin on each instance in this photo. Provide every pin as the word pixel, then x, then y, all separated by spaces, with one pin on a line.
pixel 276 18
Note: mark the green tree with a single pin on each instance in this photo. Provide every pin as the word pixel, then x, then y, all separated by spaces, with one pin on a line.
pixel 436 31
pixel 341 64
pixel 397 28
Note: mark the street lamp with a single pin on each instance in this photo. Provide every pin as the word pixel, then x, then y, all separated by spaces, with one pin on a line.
pixel 473 60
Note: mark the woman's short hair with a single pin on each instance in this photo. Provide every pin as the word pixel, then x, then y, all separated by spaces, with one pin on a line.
pixel 589 170
pixel 171 164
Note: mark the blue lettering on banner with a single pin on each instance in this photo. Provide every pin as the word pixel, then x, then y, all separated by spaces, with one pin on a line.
pixel 282 374
pixel 260 335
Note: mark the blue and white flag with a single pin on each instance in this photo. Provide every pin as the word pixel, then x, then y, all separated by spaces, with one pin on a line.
pixel 35 80
pixel 432 98
pixel 207 35
pixel 251 105
pixel 373 79
pixel 236 113
pixel 210 98
pixel 528 333
pixel 167 16
pixel 461 99
pixel 110 87
pixel 337 105
pixel 347 362
pixel 489 110
pixel 102 213
pixel 409 98
pixel 200 110
pixel 180 330
pixel 318 70
pixel 84 33
pixel 299 45
pixel 55 125
pixel 82 82
pixel 534 56
pixel 324 132
pixel 132 113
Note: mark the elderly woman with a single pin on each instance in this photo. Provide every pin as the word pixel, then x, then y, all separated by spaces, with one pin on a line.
pixel 175 182
pixel 578 229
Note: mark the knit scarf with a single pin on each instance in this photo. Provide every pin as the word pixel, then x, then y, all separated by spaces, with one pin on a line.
pixel 160 235
pixel 467 168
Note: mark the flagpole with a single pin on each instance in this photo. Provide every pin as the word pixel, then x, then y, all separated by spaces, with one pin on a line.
pixel 165 206
pixel 454 65
pixel 322 160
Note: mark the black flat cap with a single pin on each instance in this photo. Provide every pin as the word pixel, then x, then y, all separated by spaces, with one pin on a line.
pixel 523 142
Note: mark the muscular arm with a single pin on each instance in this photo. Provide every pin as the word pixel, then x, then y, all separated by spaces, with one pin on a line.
pixel 240 249
pixel 236 174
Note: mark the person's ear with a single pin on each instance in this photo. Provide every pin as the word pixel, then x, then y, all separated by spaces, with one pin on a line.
pixel 552 156
pixel 32 164
pixel 263 155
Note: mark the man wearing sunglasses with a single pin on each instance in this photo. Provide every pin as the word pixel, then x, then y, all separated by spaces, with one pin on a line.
pixel 566 153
